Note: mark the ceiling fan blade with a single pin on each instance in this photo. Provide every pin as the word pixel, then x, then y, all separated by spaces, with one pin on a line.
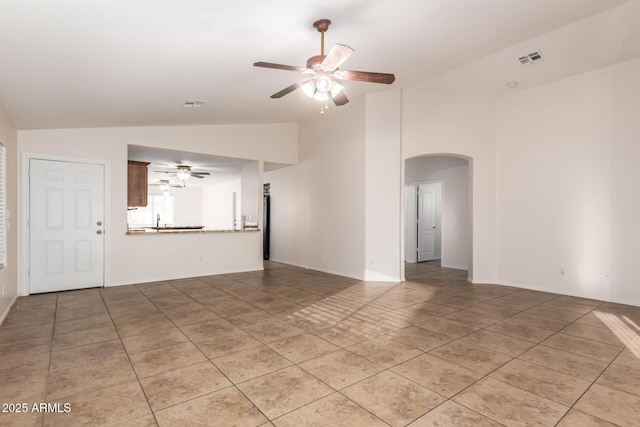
pixel 200 173
pixel 195 175
pixel 280 67
pixel 337 55
pixel 340 99
pixel 287 90
pixel 365 76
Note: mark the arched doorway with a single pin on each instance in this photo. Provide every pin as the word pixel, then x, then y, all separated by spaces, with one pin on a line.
pixel 437 211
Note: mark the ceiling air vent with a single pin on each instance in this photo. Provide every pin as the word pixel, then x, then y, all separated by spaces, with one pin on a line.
pixel 532 58
pixel 194 103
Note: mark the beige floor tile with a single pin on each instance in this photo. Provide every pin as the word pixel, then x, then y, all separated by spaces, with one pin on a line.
pixel 452 414
pixel 227 342
pixel 88 336
pixel 539 322
pixel 104 373
pixel 304 347
pixel 145 325
pixel 629 358
pixel 554 313
pixel 24 380
pixel 575 418
pixel 86 355
pixel 249 364
pixel 392 398
pixel 421 338
pixel 80 313
pixel 102 406
pixel 498 342
pixel 449 327
pixel 21 333
pixel 191 317
pixel 343 336
pixel 272 330
pixel 565 362
pixel 228 306
pixel 22 419
pixel 331 411
pixel 437 374
pixel 523 332
pixel 473 318
pixel 20 316
pixel 604 335
pixel 340 368
pixel 471 356
pixel 385 351
pixel 228 407
pixel 153 340
pixel 97 321
pixel 179 385
pixel 209 329
pixel 583 346
pixel 611 405
pixel 166 359
pixel 553 385
pixel 621 378
pixel 146 421
pixel 283 391
pixel 510 405
pixel 18 349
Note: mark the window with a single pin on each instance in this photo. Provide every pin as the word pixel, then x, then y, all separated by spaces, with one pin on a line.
pixel 148 216
pixel 3 205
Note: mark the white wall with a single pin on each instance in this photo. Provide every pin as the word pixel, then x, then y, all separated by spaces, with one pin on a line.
pixel 567 184
pixel 434 123
pixel 454 174
pixel 138 258
pixel 317 206
pixel 383 188
pixel 251 192
pixel 9 288
pixel 217 205
pixel 188 204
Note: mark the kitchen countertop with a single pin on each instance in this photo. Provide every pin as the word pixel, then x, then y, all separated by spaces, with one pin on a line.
pixel 183 230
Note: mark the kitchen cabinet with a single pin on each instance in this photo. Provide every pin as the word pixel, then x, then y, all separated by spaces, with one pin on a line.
pixel 137 184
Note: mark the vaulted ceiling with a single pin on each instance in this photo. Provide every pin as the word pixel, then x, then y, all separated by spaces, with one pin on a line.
pixel 100 63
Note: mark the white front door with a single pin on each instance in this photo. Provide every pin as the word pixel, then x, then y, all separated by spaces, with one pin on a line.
pixel 66 225
pixel 428 220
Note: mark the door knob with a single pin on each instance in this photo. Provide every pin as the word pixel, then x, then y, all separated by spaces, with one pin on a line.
pixel 99 231
pixel 99 223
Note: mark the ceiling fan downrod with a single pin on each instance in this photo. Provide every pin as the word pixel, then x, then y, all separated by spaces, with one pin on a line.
pixel 322 25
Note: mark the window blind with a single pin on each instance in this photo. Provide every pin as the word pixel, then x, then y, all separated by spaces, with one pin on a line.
pixel 3 205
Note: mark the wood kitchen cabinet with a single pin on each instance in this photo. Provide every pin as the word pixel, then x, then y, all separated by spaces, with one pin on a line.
pixel 137 182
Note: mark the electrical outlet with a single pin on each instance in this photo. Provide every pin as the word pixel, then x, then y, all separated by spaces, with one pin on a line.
pixel 562 271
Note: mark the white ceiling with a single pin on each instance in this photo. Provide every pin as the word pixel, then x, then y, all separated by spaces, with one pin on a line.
pixel 100 63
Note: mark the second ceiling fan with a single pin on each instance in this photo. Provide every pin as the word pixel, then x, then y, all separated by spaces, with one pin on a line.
pixel 323 70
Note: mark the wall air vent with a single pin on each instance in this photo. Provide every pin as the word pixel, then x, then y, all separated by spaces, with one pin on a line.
pixel 194 103
pixel 531 58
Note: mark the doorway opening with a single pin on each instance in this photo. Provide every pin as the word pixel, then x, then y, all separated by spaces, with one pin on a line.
pixel 438 211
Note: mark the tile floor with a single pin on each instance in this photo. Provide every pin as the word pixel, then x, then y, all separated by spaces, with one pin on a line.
pixel 293 347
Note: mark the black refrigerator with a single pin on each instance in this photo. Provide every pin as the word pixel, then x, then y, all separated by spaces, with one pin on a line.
pixel 266 200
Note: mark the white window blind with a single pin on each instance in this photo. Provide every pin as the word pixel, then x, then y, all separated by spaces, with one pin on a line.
pixel 3 205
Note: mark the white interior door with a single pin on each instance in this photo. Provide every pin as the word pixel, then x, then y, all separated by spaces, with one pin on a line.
pixel 66 225
pixel 429 196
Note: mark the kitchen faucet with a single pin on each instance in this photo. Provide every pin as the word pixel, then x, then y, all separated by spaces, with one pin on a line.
pixel 158 221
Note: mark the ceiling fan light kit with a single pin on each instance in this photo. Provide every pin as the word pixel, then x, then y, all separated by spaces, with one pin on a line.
pixel 322 71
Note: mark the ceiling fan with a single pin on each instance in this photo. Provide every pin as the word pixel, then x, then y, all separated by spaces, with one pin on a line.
pixel 164 184
pixel 322 72
pixel 184 172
